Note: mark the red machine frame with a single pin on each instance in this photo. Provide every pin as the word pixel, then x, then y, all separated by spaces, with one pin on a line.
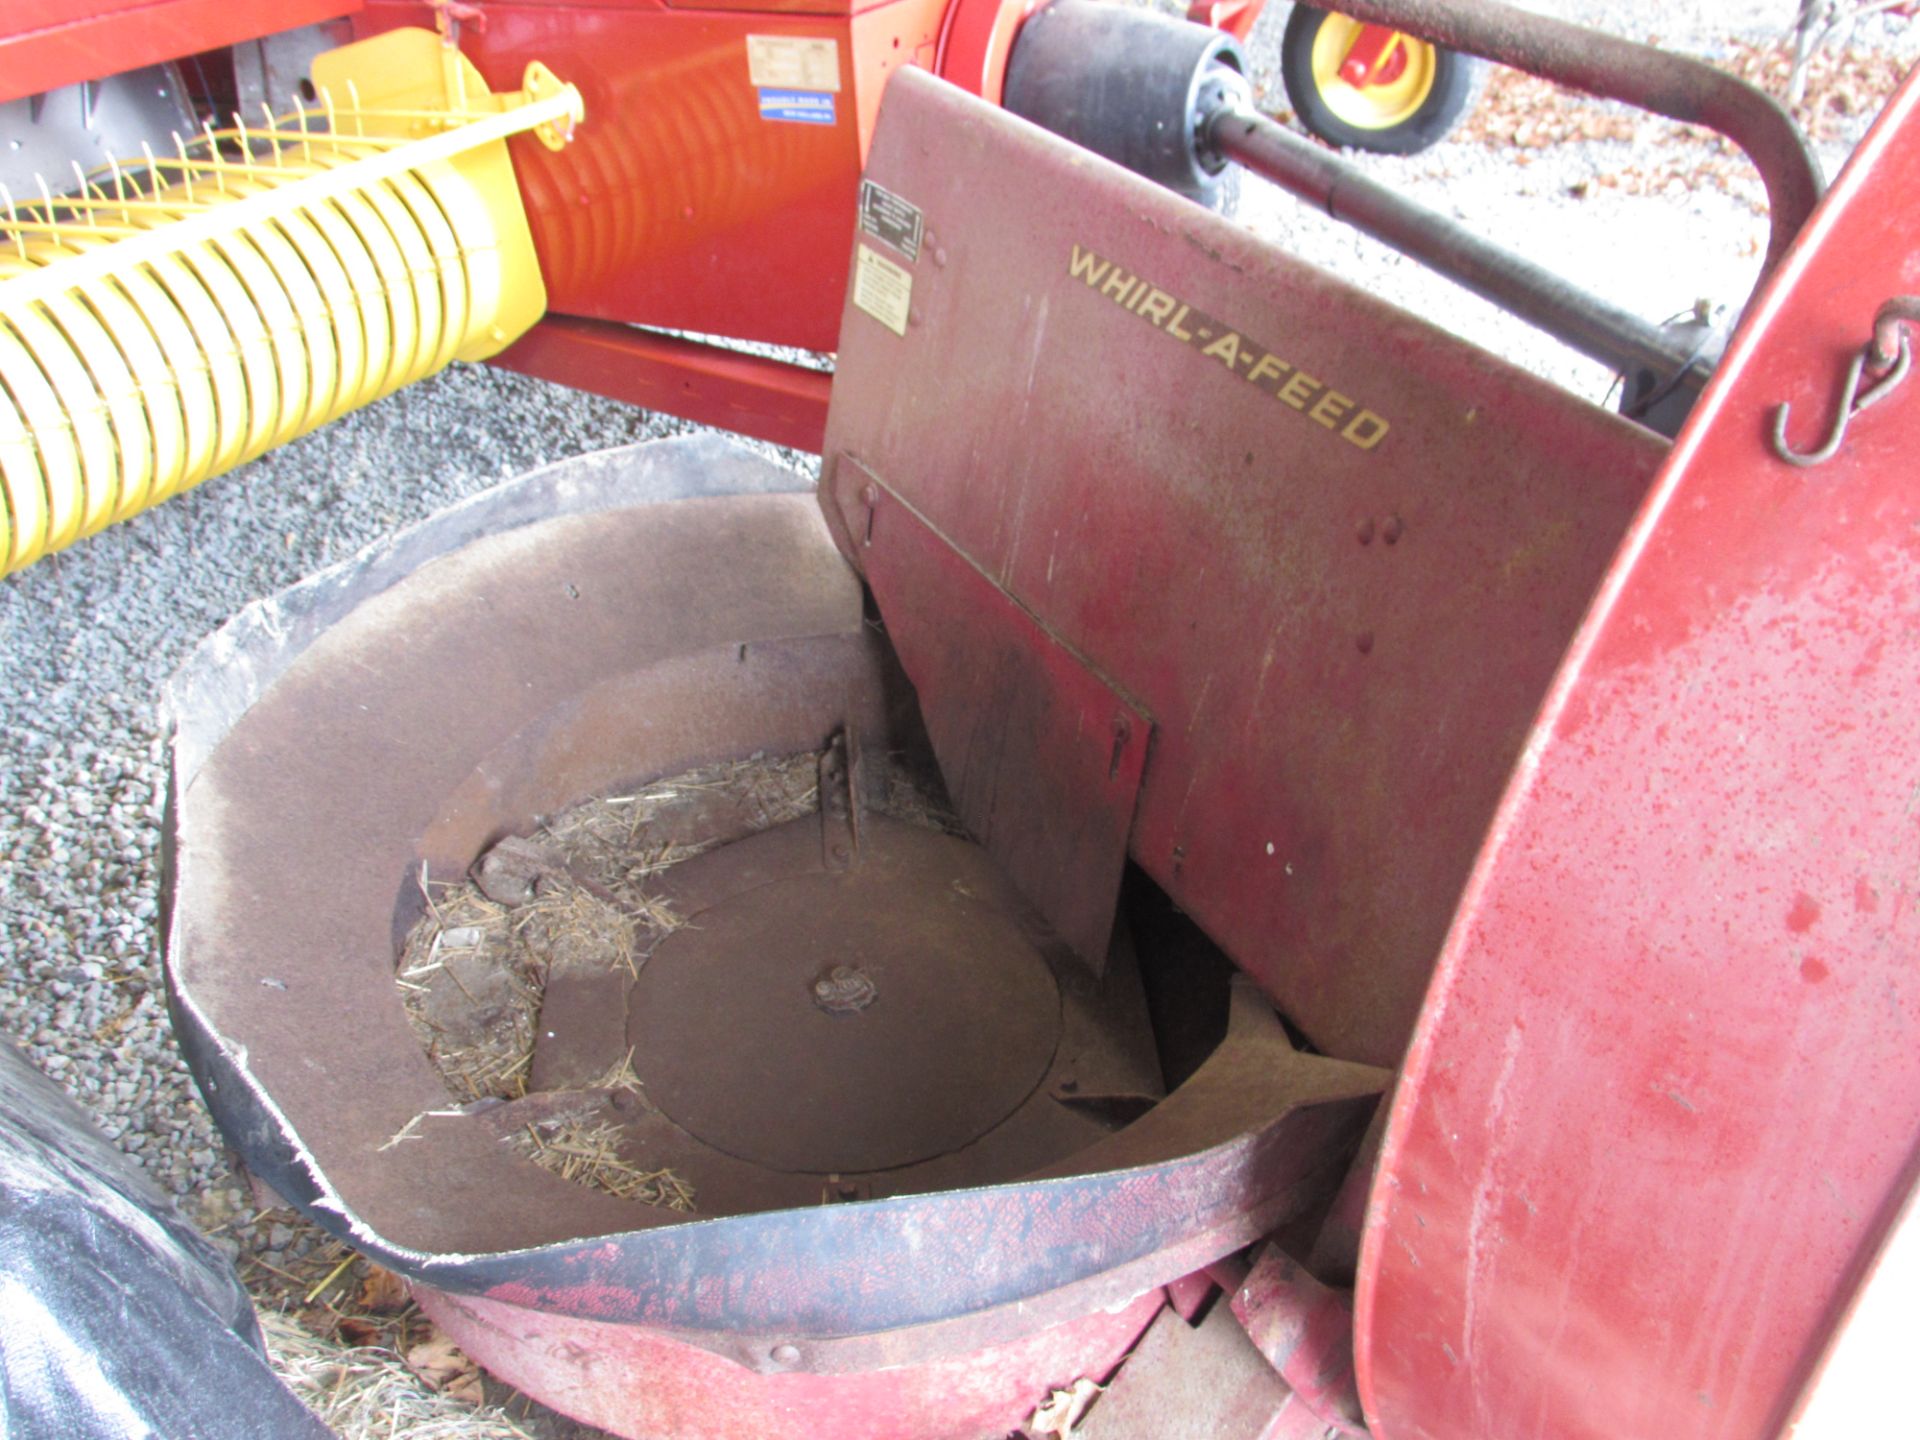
pixel 1658 1114
pixel 1661 1109
pixel 682 207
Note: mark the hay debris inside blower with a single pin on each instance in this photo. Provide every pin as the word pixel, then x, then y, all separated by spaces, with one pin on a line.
pixel 799 964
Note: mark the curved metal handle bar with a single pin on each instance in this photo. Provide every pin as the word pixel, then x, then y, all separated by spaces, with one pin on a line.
pixel 1675 86
pixel 1595 327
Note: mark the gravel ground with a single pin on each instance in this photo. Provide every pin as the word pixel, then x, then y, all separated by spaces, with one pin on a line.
pixel 88 637
pixel 87 640
pixel 1698 235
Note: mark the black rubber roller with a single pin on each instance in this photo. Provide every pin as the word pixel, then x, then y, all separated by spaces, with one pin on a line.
pixel 1136 87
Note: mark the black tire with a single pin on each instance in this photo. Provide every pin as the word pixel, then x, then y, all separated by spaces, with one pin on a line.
pixel 1133 85
pixel 1456 83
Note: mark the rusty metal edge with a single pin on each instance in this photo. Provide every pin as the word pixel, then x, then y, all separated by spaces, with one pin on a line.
pixel 842 1329
pixel 234 666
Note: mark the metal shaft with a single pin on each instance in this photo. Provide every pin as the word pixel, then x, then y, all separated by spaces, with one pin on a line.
pixel 1677 86
pixel 1593 326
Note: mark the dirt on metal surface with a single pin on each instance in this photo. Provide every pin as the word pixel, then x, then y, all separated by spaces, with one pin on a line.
pixel 846 1022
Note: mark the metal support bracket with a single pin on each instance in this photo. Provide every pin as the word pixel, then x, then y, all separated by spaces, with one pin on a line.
pixel 1042 756
pixel 840 801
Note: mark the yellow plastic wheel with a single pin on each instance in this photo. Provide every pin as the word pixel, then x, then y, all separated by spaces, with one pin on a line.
pixel 1349 89
pixel 1401 81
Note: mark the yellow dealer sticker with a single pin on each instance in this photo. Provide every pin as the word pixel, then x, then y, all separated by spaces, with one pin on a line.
pixel 790 62
pixel 883 289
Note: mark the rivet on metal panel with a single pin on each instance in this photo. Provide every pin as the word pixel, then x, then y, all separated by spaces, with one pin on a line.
pixel 785 1354
pixel 1393 529
pixel 845 990
pixel 1365 533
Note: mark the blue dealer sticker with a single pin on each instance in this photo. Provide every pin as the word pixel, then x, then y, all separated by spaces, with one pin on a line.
pixel 806 107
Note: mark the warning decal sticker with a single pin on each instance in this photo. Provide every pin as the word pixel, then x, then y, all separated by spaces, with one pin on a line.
pixel 790 62
pixel 883 289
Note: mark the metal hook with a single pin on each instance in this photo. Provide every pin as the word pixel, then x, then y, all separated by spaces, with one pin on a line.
pixel 1853 399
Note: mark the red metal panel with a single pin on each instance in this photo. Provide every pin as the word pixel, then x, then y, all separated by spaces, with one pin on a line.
pixel 62 42
pixel 1304 1330
pixel 750 394
pixel 886 38
pixel 1665 1093
pixel 1341 626
pixel 1041 755
pixel 792 7
pixel 678 205
pixel 975 42
pixel 646 1383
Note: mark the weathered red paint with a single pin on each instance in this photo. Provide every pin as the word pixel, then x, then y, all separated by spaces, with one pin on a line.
pixel 746 393
pixel 1305 1331
pixel 1022 727
pixel 1664 1096
pixel 645 1384
pixel 1340 628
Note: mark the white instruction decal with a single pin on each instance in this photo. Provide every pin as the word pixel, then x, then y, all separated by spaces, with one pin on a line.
pixel 789 62
pixel 883 289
